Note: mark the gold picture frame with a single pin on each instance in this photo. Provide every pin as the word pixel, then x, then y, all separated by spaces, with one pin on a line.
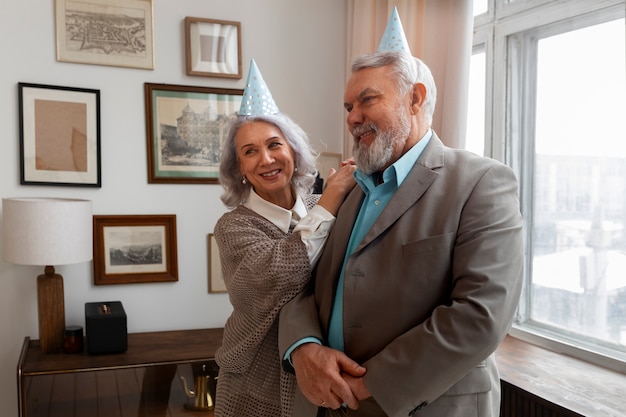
pixel 213 47
pixel 105 32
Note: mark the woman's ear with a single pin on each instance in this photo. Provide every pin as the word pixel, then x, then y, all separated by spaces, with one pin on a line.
pixel 418 97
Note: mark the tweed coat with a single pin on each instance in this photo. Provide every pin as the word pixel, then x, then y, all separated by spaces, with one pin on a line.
pixel 429 293
pixel 263 269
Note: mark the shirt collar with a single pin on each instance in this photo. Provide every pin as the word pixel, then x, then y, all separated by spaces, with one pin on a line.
pixel 275 214
pixel 399 169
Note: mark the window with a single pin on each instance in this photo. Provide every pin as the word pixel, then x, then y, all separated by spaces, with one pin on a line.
pixel 475 135
pixel 480 7
pixel 556 115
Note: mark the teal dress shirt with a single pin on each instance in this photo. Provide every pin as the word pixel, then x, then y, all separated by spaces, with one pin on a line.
pixel 376 198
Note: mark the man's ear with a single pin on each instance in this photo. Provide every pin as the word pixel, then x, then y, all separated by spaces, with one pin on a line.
pixel 418 97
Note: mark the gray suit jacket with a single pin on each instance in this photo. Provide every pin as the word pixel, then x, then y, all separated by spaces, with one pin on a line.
pixel 429 293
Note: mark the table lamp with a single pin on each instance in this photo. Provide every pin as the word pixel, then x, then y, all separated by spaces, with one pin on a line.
pixel 48 232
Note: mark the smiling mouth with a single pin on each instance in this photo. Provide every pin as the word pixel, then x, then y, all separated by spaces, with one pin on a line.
pixel 271 174
pixel 360 136
pixel 362 132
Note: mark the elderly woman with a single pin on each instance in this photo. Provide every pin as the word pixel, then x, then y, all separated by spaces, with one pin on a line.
pixel 268 244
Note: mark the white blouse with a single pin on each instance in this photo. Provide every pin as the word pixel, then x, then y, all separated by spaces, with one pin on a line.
pixel 314 225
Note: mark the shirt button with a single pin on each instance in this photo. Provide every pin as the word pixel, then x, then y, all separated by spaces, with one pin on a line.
pixel 376 202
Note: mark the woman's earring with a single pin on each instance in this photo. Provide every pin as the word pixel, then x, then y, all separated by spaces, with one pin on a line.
pixel 244 180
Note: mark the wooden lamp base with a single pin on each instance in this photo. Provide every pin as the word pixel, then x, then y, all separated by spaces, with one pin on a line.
pixel 51 304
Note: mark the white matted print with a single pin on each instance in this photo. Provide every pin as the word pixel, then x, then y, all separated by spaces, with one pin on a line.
pixel 105 32
pixel 216 278
pixel 326 161
pixel 134 249
pixel 213 47
pixel 59 135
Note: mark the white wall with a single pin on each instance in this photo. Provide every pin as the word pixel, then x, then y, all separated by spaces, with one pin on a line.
pixel 299 46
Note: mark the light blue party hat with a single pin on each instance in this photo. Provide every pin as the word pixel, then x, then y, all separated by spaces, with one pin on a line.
pixel 394 39
pixel 257 98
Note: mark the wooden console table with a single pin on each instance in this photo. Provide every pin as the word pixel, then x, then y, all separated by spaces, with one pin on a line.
pixel 143 381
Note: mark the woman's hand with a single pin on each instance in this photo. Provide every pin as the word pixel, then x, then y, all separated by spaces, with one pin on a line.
pixel 338 184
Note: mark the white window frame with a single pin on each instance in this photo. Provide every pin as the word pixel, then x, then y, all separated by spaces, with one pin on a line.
pixel 509 133
pixel 483 41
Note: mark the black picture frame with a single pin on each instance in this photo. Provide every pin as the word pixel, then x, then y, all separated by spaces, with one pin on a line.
pixel 59 135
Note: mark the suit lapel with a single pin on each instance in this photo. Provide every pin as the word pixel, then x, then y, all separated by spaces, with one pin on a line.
pixel 414 186
pixel 332 258
pixel 343 229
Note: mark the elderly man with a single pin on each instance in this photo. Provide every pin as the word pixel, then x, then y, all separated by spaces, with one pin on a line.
pixel 420 277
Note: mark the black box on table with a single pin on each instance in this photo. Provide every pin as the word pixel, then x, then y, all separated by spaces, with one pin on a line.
pixel 105 327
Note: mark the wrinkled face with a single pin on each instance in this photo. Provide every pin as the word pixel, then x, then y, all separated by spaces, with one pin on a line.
pixel 267 161
pixel 378 118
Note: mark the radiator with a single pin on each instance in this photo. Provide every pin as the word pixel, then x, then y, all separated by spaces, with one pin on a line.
pixel 519 403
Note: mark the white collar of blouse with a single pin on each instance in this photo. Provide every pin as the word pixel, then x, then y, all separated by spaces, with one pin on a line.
pixel 279 216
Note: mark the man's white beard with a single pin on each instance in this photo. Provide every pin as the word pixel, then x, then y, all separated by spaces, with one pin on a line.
pixel 373 158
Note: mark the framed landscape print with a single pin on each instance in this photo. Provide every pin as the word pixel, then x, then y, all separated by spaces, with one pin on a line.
pixel 105 32
pixel 59 135
pixel 134 249
pixel 213 47
pixel 185 128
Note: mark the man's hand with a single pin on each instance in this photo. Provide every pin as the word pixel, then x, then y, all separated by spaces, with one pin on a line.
pixel 320 374
pixel 357 386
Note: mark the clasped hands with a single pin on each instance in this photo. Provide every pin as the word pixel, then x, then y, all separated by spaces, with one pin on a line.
pixel 328 378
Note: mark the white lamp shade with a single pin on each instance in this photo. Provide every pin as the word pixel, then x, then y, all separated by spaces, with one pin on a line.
pixel 47 231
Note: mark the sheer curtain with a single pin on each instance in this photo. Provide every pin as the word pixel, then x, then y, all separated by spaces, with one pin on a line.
pixel 439 32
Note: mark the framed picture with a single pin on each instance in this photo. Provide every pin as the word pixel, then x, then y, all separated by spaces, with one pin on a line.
pixel 326 161
pixel 213 47
pixel 134 249
pixel 216 279
pixel 106 32
pixel 59 135
pixel 185 127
